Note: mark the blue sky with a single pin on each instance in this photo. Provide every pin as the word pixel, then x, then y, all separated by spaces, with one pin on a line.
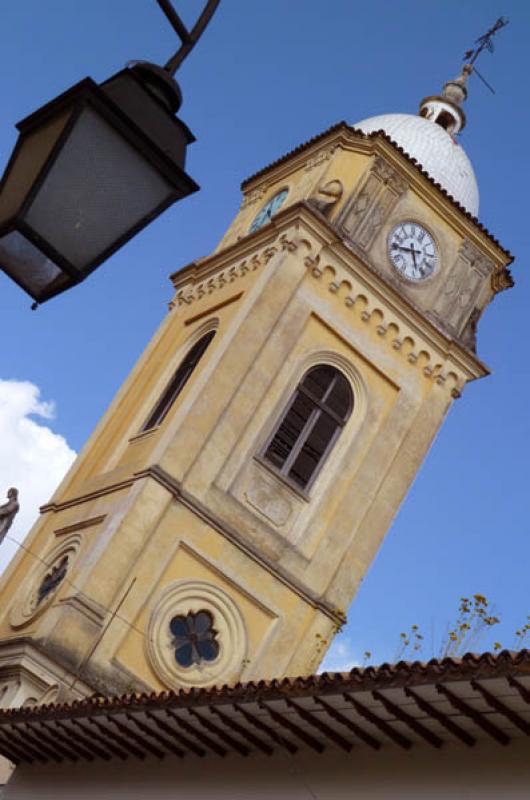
pixel 266 77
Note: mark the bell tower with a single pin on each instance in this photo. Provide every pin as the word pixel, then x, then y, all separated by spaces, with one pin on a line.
pixel 219 520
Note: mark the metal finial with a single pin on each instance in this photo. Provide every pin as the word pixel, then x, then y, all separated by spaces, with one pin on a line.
pixel 485 42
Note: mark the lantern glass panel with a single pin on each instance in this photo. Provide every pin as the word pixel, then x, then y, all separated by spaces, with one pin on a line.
pixel 97 189
pixel 28 265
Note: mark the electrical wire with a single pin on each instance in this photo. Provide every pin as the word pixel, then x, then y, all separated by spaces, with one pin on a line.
pixel 113 612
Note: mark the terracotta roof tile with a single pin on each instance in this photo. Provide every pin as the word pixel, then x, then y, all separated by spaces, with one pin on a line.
pixel 315 713
pixel 469 667
pixel 298 149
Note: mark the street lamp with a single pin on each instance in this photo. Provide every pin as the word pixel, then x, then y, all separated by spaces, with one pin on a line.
pixel 92 168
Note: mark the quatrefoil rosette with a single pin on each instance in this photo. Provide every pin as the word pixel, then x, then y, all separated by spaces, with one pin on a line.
pixel 185 600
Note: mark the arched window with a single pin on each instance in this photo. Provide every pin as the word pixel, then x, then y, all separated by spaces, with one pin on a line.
pixel 314 418
pixel 178 381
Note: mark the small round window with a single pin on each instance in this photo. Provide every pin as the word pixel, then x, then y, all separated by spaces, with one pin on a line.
pixel 196 635
pixel 52 579
pixel 269 209
pixel 194 638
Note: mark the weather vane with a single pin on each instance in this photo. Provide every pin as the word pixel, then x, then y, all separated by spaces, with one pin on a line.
pixel 484 42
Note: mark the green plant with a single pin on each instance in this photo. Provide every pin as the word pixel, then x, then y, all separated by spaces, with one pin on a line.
pixel 521 634
pixel 410 643
pixel 475 616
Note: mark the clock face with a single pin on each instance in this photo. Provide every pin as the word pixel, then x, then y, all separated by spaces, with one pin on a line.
pixel 412 251
pixel 269 209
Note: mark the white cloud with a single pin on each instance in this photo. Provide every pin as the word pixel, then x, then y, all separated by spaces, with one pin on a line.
pixel 32 457
pixel 341 656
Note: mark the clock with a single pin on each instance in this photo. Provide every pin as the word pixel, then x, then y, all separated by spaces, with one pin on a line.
pixel 269 209
pixel 412 251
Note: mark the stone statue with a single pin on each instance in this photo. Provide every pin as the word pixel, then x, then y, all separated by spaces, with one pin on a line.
pixel 8 512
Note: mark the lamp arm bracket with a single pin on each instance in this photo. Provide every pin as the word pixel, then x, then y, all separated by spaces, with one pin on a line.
pixel 188 38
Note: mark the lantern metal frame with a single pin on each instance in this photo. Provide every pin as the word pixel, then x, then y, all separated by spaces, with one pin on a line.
pixel 153 132
pixel 77 98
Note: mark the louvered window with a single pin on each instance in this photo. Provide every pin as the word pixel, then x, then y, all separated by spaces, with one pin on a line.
pixel 321 405
pixel 178 382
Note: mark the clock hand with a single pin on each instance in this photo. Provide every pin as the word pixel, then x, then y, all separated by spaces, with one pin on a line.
pixel 399 247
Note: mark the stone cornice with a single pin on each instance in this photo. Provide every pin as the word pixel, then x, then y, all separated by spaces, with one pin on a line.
pixel 173 486
pixel 22 655
pixel 387 295
pixel 85 498
pixel 301 225
pixel 79 526
pixel 245 247
pixel 348 137
pixel 166 480
pixel 298 154
pixel 466 225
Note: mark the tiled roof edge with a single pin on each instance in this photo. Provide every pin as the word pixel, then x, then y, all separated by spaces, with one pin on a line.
pixel 298 149
pixel 413 161
pixel 471 666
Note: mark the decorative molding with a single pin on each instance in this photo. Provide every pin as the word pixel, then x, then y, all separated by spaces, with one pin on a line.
pixel 313 230
pixel 265 495
pixel 28 669
pixel 371 203
pixel 27 605
pixel 212 309
pixel 389 176
pixel 415 351
pixel 174 487
pixel 468 337
pixel 320 157
pixel 326 195
pixel 88 607
pixel 457 301
pixel 193 292
pixel 254 196
pixel 501 280
pixel 184 596
pixel 86 498
pixel 80 526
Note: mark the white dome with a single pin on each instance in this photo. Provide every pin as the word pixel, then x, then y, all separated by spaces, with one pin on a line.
pixel 434 150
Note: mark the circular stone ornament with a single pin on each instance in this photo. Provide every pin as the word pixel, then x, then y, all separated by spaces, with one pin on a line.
pixel 48 577
pixel 183 597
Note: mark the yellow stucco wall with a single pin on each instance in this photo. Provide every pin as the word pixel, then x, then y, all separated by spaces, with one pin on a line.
pixel 141 514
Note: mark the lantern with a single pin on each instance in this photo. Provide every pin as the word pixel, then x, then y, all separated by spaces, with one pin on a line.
pixel 90 169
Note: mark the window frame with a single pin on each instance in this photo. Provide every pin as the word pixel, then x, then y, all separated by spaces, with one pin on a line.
pixel 167 398
pixel 319 408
